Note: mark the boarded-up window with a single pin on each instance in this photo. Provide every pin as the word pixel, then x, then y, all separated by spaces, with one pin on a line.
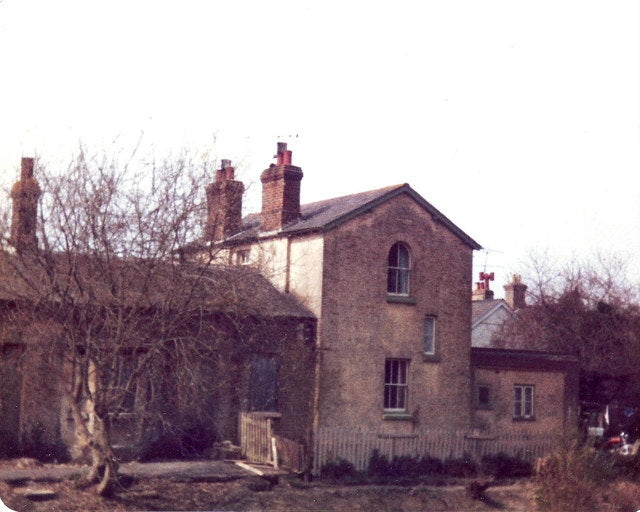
pixel 263 384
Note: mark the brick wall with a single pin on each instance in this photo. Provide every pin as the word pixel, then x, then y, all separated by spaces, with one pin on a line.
pixel 224 204
pixel 360 328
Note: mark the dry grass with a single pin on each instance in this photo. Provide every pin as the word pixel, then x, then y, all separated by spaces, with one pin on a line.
pixel 288 495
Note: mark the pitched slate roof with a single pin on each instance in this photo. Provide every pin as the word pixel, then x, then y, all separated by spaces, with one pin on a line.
pixel 326 215
pixel 482 308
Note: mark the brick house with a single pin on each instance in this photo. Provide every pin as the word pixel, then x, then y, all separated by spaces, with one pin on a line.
pixel 388 277
pixel 257 331
pixel 386 274
pixel 517 386
pixel 379 281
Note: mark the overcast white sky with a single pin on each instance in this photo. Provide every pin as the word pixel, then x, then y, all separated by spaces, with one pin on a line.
pixel 519 120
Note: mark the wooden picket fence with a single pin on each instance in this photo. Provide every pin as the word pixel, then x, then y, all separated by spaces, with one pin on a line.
pixel 356 446
pixel 259 443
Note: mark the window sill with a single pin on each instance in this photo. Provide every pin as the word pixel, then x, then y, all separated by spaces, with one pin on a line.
pixel 400 299
pixel 431 358
pixel 521 419
pixel 267 414
pixel 397 416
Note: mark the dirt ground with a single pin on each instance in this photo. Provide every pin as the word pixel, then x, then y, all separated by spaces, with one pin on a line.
pixel 252 494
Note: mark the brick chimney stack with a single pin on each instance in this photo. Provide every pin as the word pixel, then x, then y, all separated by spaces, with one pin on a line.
pixel 483 290
pixel 25 194
pixel 224 204
pixel 515 293
pixel 280 191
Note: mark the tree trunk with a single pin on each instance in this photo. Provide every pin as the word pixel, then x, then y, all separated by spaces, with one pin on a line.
pixel 92 432
pixel 104 465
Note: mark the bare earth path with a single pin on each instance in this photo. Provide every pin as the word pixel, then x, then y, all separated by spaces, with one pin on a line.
pixel 222 486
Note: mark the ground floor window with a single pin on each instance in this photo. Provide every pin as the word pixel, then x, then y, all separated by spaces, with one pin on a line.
pixel 395 385
pixel 483 396
pixel 523 403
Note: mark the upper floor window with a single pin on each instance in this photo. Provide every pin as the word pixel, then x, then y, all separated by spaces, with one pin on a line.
pixel 430 335
pixel 399 269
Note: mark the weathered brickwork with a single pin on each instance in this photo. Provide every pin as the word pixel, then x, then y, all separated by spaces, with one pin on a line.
pixel 224 204
pixel 553 379
pixel 549 404
pixel 280 192
pixel 25 194
pixel 360 327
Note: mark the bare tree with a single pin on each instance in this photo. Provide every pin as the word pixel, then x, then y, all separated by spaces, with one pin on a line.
pixel 589 309
pixel 120 312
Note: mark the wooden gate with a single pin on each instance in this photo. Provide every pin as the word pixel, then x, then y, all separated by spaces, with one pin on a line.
pixel 290 454
pixel 256 432
pixel 259 443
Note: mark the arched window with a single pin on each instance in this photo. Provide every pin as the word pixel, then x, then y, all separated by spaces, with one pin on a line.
pixel 399 269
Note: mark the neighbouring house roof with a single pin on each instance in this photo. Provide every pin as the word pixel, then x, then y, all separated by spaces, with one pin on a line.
pixel 136 283
pixel 500 358
pixel 481 310
pixel 330 213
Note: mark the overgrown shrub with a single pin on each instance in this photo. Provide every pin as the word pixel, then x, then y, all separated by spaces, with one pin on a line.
pixel 570 478
pixel 502 465
pixel 625 466
pixel 36 445
pixel 192 438
pixel 378 465
pixel 463 467
pixel 337 470
pixel 407 468
pixel 430 466
pixel 402 466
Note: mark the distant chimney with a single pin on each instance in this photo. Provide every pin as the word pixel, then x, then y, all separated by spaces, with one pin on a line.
pixel 483 290
pixel 280 191
pixel 25 194
pixel 515 293
pixel 224 204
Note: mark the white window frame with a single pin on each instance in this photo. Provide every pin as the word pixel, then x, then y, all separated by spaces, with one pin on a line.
pixel 524 401
pixel 429 340
pixel 399 277
pixel 396 385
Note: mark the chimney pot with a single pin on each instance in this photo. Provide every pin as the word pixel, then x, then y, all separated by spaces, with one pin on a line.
pixel 283 155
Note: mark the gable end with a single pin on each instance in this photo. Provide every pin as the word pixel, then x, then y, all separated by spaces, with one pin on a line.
pixel 406 189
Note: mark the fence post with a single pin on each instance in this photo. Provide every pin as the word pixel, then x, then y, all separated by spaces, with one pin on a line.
pixel 274 452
